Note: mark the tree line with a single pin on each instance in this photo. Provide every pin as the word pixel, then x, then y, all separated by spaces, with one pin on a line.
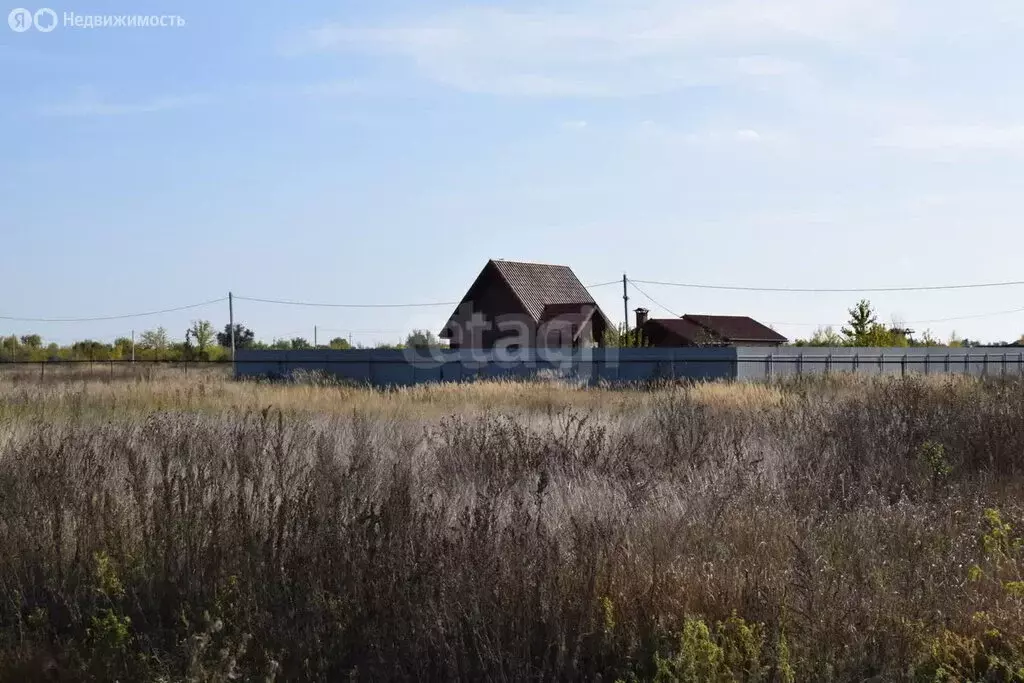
pixel 864 329
pixel 202 342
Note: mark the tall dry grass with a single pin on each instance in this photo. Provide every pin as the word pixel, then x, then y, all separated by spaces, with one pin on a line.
pixel 202 530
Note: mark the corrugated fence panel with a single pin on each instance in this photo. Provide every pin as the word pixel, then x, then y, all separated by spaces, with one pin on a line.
pixel 624 366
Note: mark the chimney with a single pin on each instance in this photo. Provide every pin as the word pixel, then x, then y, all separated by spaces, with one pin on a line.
pixel 641 317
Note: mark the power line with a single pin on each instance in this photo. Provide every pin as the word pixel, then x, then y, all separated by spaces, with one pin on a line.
pixel 281 302
pixel 603 284
pixel 825 290
pixel 974 316
pixel 968 317
pixel 655 301
pixel 342 329
pixel 114 317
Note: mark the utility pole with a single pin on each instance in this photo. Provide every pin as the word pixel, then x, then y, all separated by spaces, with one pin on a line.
pixel 133 346
pixel 231 324
pixel 625 304
pixel 315 345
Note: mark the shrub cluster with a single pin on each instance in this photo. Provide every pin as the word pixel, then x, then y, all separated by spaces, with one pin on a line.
pixel 849 530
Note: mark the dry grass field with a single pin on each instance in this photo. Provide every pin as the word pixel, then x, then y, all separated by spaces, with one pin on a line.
pixel 174 527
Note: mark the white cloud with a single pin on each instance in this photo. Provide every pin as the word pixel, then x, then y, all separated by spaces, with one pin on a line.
pixel 977 137
pixel 611 50
pixel 87 102
pixel 766 65
pixel 574 125
pixel 650 131
pixel 326 89
pixel 841 75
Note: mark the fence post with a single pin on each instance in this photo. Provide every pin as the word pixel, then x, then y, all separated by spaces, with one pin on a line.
pixel 1004 364
pixel 984 365
pixel 927 362
pixel 881 363
pixel 946 366
pixel 42 370
pixel 800 364
pixel 856 363
pixel 903 366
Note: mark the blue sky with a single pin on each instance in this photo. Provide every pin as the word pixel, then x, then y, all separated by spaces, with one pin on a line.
pixel 382 152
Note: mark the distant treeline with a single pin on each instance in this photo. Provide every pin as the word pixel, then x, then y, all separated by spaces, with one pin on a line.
pixel 864 330
pixel 202 342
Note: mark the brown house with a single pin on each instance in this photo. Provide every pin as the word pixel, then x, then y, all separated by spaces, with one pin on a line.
pixel 526 305
pixel 706 330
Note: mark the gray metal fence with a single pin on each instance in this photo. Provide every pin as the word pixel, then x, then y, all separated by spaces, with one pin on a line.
pixel 405 368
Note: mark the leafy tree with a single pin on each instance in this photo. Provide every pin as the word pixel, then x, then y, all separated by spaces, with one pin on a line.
pixel 156 340
pixel 339 344
pixel 880 335
pixel 203 334
pixel 91 350
pixel 244 337
pixel 32 341
pixel 422 339
pixel 300 344
pixel 957 341
pixel 862 322
pixel 823 336
pixel 122 348
pixel 623 337
pixel 9 347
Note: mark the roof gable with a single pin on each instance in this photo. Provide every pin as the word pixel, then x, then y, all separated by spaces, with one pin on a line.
pixel 540 289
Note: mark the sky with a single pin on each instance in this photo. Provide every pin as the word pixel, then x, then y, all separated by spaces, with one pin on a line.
pixel 381 152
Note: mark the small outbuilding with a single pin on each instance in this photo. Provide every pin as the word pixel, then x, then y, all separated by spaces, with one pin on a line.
pixel 706 330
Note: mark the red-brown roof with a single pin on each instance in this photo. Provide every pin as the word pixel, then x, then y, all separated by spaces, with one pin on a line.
pixel 538 285
pixel 543 289
pixel 685 330
pixel 719 329
pixel 737 328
